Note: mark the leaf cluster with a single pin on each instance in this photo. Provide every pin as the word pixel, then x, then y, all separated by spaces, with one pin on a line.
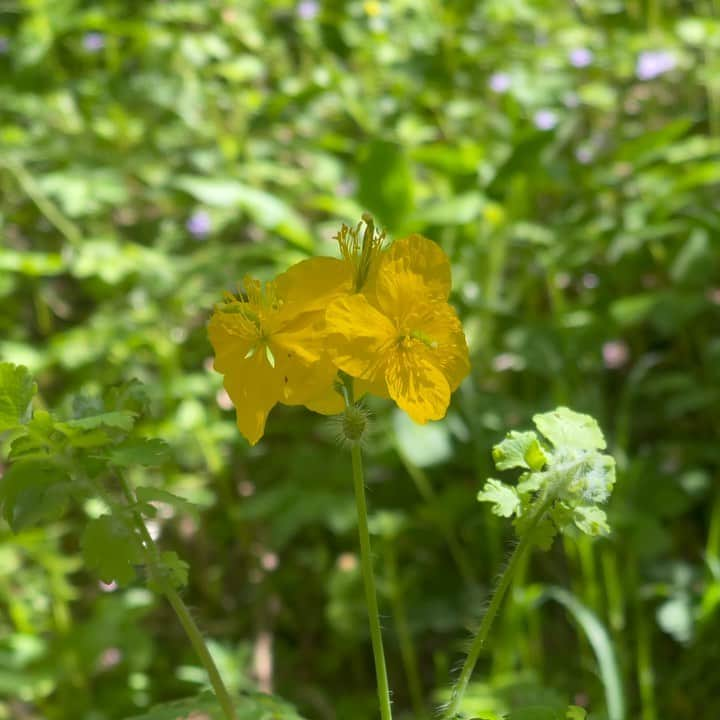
pixel 57 463
pixel 565 472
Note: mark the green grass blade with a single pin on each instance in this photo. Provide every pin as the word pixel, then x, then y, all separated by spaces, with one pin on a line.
pixel 599 639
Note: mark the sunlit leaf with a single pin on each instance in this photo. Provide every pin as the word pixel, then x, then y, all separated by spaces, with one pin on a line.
pixel 17 388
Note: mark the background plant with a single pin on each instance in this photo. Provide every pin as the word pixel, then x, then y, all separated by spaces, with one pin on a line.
pixel 566 158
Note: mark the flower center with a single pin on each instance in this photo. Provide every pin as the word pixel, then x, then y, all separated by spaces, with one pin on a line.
pixel 406 341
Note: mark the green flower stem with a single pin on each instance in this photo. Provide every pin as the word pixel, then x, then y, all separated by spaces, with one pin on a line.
pixel 369 582
pixel 478 643
pixel 181 610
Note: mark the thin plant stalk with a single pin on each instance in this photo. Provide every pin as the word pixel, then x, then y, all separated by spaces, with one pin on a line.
pixel 383 689
pixel 407 647
pixel 183 614
pixel 645 673
pixel 428 494
pixel 480 639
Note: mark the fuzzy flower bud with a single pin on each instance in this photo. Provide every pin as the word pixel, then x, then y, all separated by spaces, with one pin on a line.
pixel 354 424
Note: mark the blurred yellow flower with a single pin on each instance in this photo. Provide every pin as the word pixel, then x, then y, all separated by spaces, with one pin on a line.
pixel 268 345
pixel 372 8
pixel 400 335
pixel 493 214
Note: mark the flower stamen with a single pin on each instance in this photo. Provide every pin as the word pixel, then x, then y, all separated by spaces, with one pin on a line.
pixel 360 252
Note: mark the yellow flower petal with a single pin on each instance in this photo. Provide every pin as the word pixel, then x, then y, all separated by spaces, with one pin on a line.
pixel 311 385
pixel 303 337
pixel 358 337
pixel 255 387
pixel 440 326
pixel 377 387
pixel 232 336
pixel 416 383
pixel 312 284
pixel 398 295
pixel 418 256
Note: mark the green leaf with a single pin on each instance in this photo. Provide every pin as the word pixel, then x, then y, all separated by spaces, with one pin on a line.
pixel 565 428
pixel 519 449
pixel 249 706
pixel 575 712
pixel 118 420
pixel 538 712
pixel 599 639
pixel 530 482
pixel 422 445
pixel 173 571
pixel 385 183
pixel 505 499
pixel 455 210
pixel 31 263
pixel 38 441
pixel 267 210
pixel 543 534
pixel 148 452
pixel 130 396
pixel 111 547
pixel 676 616
pixel 633 309
pixel 16 391
pixel 34 492
pixel 151 494
pixel 591 520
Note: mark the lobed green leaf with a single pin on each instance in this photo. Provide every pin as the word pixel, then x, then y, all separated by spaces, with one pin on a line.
pixel 17 388
pixel 34 491
pixel 519 449
pixel 148 452
pixel 505 499
pixel 111 547
pixel 565 428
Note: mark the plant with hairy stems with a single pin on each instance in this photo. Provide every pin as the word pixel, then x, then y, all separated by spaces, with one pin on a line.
pixel 566 476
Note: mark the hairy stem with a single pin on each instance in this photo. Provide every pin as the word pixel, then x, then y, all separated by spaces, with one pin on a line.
pixel 478 642
pixel 181 610
pixel 366 563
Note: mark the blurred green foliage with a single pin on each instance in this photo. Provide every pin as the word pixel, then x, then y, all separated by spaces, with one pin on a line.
pixel 566 156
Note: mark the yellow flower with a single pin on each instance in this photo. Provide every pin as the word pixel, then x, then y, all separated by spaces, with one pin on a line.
pixel 269 344
pixel 400 335
pixel 372 8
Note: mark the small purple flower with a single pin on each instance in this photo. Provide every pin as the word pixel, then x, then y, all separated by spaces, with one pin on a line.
pixel 4 45
pixel 581 57
pixel 615 354
pixel 545 119
pixel 590 280
pixel 307 9
pixel 500 82
pixel 653 63
pixel 93 41
pixel 199 224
